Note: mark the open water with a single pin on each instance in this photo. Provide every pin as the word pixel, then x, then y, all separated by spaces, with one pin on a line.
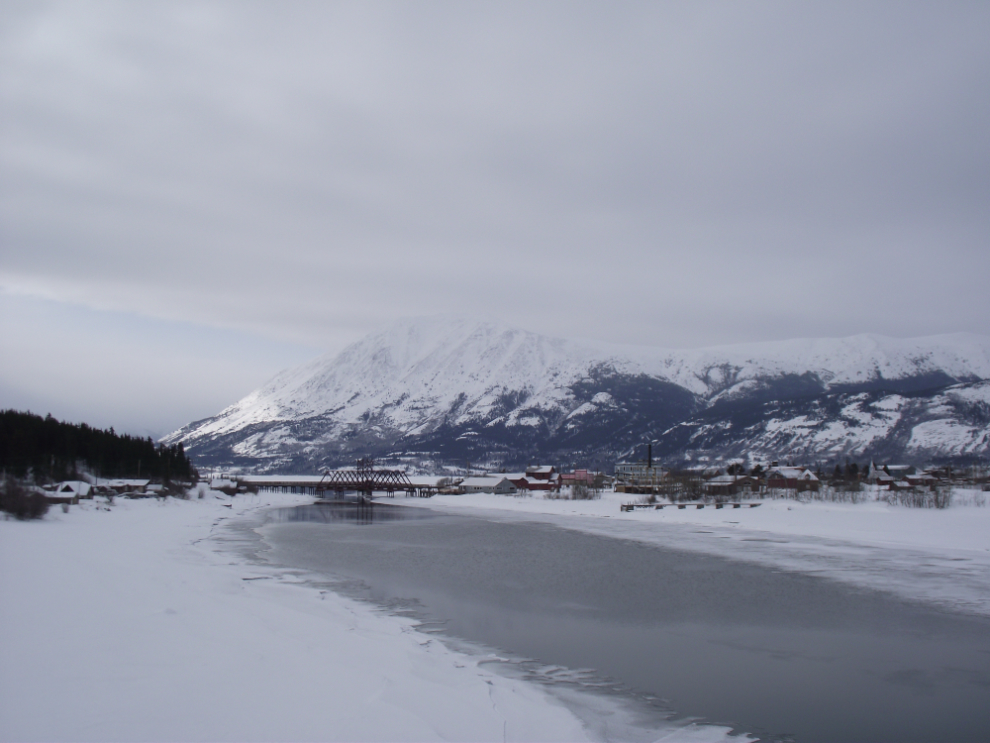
pixel 778 655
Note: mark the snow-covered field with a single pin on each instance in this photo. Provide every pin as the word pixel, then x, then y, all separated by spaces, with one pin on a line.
pixel 143 622
pixel 936 556
pixel 146 622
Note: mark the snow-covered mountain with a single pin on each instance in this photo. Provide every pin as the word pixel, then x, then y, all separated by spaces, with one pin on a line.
pixel 452 388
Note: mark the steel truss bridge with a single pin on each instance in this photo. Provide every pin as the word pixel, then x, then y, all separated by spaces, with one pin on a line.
pixel 364 480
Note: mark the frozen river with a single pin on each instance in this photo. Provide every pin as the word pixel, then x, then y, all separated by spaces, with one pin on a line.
pixel 775 654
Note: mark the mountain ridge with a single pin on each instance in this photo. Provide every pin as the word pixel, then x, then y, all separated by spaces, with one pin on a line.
pixel 447 387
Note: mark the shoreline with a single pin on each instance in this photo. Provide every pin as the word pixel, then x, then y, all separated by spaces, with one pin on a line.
pixel 152 620
pixel 605 711
pixel 937 557
pixel 135 624
pixel 761 605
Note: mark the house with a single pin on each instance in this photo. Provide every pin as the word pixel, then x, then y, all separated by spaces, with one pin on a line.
pixel 721 485
pixel 639 477
pixel 518 479
pixel 70 491
pixel 638 474
pixel 505 487
pixel 899 471
pixel 529 480
pixel 924 480
pixel 731 485
pixel 578 477
pixel 792 478
pixel 125 485
pixel 544 474
pixel 538 478
pixel 499 486
pixel 877 476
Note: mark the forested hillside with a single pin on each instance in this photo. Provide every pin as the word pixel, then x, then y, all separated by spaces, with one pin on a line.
pixel 51 449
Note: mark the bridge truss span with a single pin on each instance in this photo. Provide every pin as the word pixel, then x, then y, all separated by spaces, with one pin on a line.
pixel 364 480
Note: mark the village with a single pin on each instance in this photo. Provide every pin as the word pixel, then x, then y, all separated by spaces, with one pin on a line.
pixel 645 479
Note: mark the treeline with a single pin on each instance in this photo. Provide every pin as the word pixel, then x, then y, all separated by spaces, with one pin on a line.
pixel 49 449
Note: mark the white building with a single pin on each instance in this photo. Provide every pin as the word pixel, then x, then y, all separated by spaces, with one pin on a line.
pixel 497 485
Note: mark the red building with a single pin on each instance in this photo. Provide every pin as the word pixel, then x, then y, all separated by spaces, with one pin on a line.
pixel 792 478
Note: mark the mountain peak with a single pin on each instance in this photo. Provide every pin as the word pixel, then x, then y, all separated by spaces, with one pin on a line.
pixel 505 389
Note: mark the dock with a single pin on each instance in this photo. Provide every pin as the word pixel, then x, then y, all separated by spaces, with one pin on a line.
pixel 682 506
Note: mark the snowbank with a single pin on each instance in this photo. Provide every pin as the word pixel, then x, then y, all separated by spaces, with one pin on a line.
pixel 937 556
pixel 132 624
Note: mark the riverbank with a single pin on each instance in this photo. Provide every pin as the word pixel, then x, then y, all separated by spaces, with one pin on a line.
pixel 145 622
pixel 938 556
pixel 770 653
pixel 138 624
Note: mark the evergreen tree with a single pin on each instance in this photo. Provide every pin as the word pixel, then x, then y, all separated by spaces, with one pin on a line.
pixel 51 449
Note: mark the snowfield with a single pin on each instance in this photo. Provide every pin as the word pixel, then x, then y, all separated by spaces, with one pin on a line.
pixel 146 622
pixel 150 621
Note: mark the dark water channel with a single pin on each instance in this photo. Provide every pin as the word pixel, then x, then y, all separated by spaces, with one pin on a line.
pixel 778 655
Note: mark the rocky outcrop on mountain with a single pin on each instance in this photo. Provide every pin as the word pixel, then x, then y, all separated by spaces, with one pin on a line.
pixel 450 390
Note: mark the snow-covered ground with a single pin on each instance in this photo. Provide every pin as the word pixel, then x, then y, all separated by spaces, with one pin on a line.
pixel 143 622
pixel 146 622
pixel 936 556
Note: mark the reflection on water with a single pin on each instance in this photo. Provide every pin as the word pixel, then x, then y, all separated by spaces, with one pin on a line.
pixel 781 654
pixel 357 512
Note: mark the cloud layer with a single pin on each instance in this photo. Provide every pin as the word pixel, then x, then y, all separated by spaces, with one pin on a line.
pixel 667 174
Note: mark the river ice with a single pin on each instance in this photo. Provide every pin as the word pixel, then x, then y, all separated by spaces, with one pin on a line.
pixel 148 622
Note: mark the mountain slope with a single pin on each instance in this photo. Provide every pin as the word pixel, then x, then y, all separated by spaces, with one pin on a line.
pixel 449 389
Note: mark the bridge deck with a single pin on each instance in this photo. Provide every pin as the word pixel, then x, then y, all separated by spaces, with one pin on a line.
pixel 318 486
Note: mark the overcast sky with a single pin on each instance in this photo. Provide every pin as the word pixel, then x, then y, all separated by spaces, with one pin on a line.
pixel 196 195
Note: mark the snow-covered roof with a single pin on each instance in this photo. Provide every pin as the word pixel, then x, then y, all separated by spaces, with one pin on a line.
pixel 723 480
pixel 77 487
pixel 487 484
pixel 480 482
pixel 793 473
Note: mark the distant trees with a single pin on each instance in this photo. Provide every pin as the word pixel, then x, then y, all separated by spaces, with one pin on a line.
pixel 575 491
pixel 20 502
pixel 846 479
pixel 581 491
pixel 52 450
pixel 682 485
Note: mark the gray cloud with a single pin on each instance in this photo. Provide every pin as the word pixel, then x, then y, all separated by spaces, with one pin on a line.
pixel 670 174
